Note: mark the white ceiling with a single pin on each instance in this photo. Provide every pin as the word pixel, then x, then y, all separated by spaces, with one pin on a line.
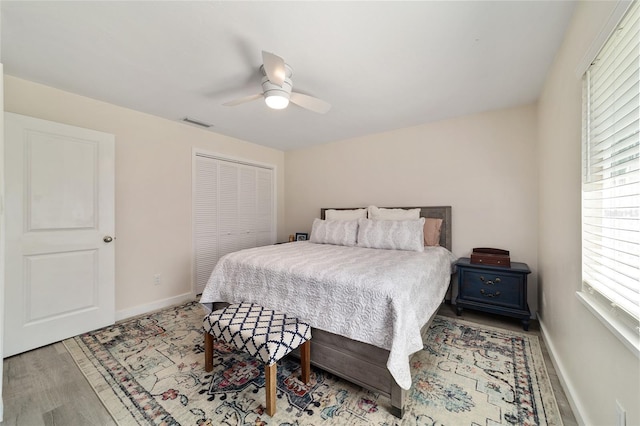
pixel 382 65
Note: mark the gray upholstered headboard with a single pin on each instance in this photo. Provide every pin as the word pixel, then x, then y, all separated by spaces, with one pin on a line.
pixel 438 212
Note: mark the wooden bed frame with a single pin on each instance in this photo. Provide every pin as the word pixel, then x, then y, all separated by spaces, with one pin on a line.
pixel 362 363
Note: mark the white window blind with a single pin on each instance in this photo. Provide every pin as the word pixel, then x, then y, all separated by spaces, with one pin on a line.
pixel 611 173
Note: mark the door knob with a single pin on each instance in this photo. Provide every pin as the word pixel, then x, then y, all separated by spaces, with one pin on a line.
pixel 107 239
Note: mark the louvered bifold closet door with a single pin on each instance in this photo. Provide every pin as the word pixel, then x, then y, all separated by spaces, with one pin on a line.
pixel 246 207
pixel 264 207
pixel 228 208
pixel 611 178
pixel 205 217
pixel 233 210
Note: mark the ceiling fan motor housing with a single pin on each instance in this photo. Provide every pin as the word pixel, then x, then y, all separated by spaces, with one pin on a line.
pixel 270 89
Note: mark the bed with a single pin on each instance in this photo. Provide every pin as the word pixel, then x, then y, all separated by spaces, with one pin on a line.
pixel 393 306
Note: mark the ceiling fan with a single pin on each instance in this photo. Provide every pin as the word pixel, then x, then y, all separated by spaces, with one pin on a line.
pixel 277 88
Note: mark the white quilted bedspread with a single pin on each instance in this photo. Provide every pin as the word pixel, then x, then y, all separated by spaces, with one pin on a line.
pixel 381 297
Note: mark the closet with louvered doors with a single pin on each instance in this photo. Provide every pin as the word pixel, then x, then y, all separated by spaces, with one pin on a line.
pixel 233 209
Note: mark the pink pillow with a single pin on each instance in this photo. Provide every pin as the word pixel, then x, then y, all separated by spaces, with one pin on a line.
pixel 432 231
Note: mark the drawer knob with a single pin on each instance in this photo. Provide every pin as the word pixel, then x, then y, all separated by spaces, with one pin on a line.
pixel 490 282
pixel 484 293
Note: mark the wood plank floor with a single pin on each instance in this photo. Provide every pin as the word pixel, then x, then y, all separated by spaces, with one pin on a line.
pixel 45 387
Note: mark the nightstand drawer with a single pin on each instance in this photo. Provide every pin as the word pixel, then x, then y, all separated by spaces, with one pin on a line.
pixel 490 287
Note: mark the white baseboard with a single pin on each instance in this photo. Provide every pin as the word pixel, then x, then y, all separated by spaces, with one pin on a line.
pixel 568 388
pixel 154 306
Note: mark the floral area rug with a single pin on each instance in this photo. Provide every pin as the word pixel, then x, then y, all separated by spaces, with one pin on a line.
pixel 150 371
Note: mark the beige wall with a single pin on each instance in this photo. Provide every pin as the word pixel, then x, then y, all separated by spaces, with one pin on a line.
pixel 483 165
pixel 597 369
pixel 153 186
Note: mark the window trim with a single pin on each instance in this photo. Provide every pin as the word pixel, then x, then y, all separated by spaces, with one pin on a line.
pixel 613 319
pixel 603 36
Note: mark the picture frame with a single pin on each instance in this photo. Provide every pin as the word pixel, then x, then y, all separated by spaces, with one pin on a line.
pixel 302 236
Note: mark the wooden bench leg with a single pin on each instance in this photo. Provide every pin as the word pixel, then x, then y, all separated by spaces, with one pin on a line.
pixel 270 373
pixel 208 352
pixel 305 361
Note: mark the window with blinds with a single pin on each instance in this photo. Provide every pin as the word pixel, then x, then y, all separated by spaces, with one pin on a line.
pixel 611 175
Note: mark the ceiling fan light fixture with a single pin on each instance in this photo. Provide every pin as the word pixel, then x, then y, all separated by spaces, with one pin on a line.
pixel 276 101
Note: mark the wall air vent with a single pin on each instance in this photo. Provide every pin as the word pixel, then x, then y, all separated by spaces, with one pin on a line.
pixel 196 122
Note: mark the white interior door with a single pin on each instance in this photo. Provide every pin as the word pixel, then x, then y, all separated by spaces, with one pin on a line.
pixel 2 236
pixel 60 273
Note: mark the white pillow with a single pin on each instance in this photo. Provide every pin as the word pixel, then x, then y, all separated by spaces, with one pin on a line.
pixel 338 232
pixel 378 213
pixel 333 214
pixel 391 234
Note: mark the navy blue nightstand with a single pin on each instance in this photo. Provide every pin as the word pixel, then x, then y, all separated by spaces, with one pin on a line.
pixel 493 289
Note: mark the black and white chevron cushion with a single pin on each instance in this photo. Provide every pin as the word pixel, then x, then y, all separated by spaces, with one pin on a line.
pixel 263 333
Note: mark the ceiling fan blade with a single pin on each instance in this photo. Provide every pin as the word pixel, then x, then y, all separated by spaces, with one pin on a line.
pixel 274 68
pixel 310 103
pixel 243 100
